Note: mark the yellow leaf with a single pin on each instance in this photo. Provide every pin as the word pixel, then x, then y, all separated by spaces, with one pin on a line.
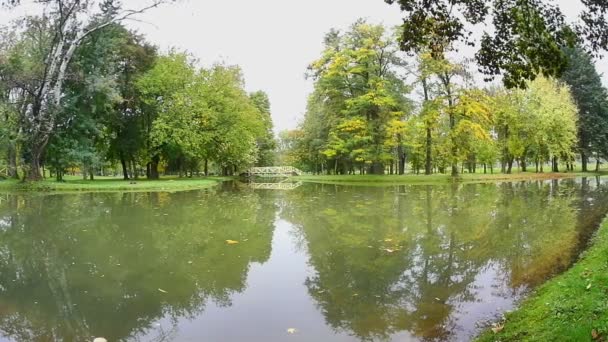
pixel 498 328
pixel 163 291
pixel 292 330
pixel 231 242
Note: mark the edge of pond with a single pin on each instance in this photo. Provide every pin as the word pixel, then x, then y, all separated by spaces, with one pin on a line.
pixel 572 306
pixel 388 180
pixel 111 185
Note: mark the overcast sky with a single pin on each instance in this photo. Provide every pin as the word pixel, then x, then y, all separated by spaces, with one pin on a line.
pixel 272 40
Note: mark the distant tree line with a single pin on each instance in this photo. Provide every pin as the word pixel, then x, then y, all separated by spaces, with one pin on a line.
pixel 376 109
pixel 96 98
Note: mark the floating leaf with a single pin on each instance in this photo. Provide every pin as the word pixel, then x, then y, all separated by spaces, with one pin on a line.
pixel 163 291
pixel 231 242
pixel 497 328
pixel 292 330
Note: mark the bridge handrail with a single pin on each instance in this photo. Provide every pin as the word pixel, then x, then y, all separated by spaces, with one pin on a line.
pixel 274 170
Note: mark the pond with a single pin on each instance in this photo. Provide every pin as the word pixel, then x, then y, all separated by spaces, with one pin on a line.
pixel 308 263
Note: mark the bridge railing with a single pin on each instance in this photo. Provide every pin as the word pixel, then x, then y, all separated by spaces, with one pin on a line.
pixel 284 171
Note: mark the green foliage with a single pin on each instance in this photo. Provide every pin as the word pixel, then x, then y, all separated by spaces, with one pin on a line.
pixel 592 101
pixel 122 102
pixel 527 35
pixel 353 116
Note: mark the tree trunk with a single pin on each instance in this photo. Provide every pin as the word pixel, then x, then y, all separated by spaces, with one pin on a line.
pixel 125 169
pixel 584 161
pixel 153 168
pixel 555 167
pixel 33 174
pixel 401 166
pixel 206 167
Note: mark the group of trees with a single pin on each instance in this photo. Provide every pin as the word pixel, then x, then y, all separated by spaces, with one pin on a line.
pixel 90 94
pixel 373 108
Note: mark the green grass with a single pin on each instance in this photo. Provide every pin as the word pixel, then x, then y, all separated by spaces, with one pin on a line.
pixel 72 183
pixel 436 178
pixel 570 307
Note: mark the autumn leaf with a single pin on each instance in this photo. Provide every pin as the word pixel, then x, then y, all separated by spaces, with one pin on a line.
pixel 231 242
pixel 497 328
pixel 163 291
pixel 292 330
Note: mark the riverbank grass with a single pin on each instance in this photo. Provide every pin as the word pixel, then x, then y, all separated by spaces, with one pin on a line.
pixel 438 178
pixel 571 307
pixel 73 183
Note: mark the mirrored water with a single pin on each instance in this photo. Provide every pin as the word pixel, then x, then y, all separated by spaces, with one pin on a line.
pixel 314 262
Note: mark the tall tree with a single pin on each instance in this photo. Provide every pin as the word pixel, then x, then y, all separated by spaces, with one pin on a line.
pixel 357 80
pixel 266 144
pixel 592 101
pixel 66 25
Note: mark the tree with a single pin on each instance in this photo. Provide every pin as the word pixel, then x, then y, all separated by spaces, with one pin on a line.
pixel 359 86
pixel 527 37
pixel 266 143
pixel 592 101
pixel 66 25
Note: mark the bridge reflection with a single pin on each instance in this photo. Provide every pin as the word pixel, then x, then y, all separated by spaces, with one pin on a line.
pixel 275 186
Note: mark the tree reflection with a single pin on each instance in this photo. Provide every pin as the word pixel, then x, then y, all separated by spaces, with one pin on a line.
pixel 76 266
pixel 404 258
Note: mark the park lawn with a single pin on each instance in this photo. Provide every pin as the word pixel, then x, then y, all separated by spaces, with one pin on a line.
pixel 572 306
pixel 72 183
pixel 437 178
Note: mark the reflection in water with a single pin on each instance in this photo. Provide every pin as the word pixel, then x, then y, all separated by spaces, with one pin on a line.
pixel 77 266
pixel 336 262
pixel 420 258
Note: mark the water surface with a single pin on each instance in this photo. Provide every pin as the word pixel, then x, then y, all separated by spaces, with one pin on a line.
pixel 333 263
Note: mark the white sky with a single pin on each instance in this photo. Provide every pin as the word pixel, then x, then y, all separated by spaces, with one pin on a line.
pixel 272 40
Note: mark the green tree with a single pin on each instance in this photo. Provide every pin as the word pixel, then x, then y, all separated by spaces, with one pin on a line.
pixel 592 101
pixel 357 82
pixel 526 39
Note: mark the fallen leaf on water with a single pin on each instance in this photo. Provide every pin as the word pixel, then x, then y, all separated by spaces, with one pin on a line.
pixel 388 250
pixel 498 328
pixel 388 240
pixel 231 242
pixel 292 330
pixel 163 291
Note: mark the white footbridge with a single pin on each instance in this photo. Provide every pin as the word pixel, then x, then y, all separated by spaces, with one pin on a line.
pixel 274 171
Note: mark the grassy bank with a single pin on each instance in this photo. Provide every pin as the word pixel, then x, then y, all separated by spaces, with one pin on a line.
pixel 112 184
pixel 571 307
pixel 437 178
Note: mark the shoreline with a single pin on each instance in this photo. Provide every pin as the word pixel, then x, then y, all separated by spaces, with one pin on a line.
pixel 438 179
pixel 108 184
pixel 571 306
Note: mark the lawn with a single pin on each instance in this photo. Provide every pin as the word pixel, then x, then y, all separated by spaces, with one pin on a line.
pixel 73 183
